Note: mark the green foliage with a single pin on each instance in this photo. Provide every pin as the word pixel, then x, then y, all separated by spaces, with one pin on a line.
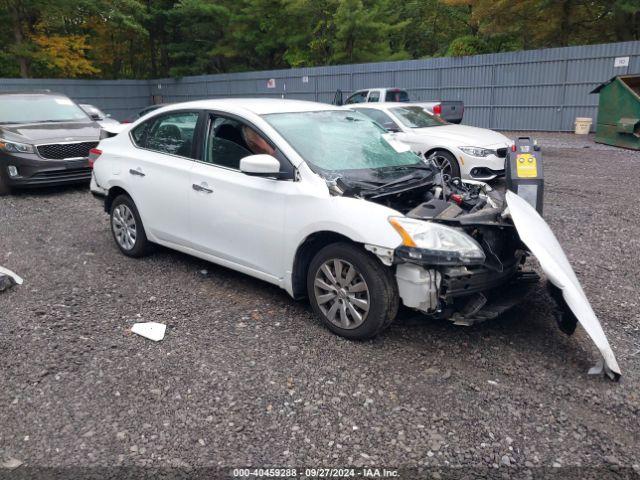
pixel 157 38
pixel 363 32
pixel 467 45
pixel 198 28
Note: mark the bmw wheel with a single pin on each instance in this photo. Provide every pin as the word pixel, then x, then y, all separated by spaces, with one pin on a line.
pixel 351 291
pixel 447 163
pixel 126 227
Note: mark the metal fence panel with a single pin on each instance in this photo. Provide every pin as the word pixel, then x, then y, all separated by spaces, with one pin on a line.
pixel 528 90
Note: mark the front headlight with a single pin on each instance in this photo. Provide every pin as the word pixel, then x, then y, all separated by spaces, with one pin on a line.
pixel 477 151
pixel 435 243
pixel 13 147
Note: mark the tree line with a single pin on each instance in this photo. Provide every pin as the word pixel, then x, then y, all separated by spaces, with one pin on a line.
pixel 161 38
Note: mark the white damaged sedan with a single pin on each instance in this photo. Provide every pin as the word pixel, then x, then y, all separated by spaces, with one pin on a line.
pixel 322 202
pixel 460 150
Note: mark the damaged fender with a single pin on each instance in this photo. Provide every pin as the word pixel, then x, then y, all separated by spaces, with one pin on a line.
pixel 538 237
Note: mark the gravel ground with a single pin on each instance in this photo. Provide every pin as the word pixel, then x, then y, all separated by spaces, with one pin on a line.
pixel 246 376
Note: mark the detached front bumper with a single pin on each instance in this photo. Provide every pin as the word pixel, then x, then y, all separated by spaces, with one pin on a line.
pixel 29 170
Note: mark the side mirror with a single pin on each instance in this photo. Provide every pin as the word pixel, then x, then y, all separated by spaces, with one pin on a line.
pixel 108 115
pixel 391 127
pixel 261 165
pixel 95 117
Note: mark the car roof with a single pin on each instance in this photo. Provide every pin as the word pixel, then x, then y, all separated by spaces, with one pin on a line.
pixel 258 106
pixel 384 105
pixel 379 88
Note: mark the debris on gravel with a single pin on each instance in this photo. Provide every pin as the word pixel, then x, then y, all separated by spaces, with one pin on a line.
pixel 250 377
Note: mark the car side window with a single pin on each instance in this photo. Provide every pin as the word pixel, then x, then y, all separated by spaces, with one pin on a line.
pixel 374 96
pixel 229 141
pixel 358 97
pixel 171 133
pixel 380 117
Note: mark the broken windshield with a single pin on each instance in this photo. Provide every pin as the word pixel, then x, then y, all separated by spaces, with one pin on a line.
pixel 339 140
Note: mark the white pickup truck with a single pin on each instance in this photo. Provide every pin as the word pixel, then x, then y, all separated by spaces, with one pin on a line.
pixel 449 110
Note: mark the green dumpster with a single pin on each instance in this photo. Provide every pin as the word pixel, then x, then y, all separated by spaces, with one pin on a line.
pixel 619 112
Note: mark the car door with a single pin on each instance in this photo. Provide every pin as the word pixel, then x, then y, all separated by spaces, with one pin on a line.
pixel 159 174
pixel 236 217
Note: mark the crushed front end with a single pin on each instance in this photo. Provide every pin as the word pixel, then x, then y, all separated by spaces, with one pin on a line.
pixel 465 288
pixel 464 252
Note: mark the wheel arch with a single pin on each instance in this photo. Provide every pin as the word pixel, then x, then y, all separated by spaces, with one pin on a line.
pixel 437 149
pixel 305 253
pixel 111 196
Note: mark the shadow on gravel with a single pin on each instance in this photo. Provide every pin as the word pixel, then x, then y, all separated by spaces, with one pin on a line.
pixel 50 191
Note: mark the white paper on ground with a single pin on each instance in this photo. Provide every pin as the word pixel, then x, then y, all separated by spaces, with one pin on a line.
pixel 538 237
pixel 16 279
pixel 151 330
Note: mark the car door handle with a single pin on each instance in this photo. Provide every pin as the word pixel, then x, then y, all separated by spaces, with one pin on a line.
pixel 136 172
pixel 201 188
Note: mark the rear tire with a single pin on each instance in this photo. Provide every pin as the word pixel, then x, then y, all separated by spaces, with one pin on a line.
pixel 354 294
pixel 127 229
pixel 448 163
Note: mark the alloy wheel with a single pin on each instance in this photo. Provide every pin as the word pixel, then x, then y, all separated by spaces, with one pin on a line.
pixel 443 163
pixel 341 293
pixel 124 226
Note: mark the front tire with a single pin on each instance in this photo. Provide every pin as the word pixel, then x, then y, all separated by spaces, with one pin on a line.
pixel 354 295
pixel 127 229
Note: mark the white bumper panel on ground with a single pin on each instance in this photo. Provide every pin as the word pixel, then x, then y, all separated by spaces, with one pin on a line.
pixel 538 237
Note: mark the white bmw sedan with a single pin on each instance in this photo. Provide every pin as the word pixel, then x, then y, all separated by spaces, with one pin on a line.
pixel 460 150
pixel 323 202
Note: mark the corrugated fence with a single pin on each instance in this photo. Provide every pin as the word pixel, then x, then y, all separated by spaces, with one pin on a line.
pixel 121 98
pixel 528 90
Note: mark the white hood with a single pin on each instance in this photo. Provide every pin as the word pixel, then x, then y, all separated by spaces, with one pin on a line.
pixel 465 135
pixel 538 237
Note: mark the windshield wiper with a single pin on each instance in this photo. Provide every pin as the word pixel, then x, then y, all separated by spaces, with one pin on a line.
pixel 393 183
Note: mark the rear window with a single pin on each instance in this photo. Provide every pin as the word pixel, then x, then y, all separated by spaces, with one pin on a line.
pixel 396 96
pixel 39 108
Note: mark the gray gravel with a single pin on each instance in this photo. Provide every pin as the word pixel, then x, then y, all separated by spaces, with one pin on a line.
pixel 246 376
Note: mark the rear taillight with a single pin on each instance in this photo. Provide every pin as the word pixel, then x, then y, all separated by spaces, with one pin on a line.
pixel 94 153
pixel 437 109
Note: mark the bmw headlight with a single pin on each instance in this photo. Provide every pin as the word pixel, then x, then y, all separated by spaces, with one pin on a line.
pixel 14 147
pixel 436 244
pixel 477 151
